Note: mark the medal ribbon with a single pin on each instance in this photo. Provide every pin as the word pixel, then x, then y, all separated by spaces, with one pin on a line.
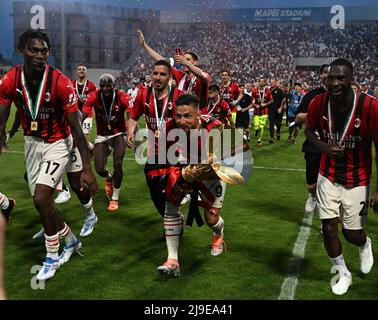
pixel 111 106
pixel 347 123
pixel 82 91
pixel 208 106
pixel 33 108
pixel 160 121
pixel 182 83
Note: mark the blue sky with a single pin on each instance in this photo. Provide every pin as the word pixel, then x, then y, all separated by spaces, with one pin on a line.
pixel 6 22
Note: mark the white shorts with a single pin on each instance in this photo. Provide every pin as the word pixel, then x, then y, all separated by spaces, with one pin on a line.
pixel 350 205
pixel 218 189
pixel 75 164
pixel 46 162
pixel 108 139
pixel 87 125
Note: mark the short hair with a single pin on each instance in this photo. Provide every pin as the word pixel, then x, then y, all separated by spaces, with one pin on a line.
pixel 107 77
pixel 226 70
pixel 297 84
pixel 342 62
pixel 194 56
pixel 81 65
pixel 188 99
pixel 25 37
pixel 214 87
pixel 323 66
pixel 163 62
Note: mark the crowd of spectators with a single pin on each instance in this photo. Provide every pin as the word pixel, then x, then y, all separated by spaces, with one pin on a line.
pixel 251 51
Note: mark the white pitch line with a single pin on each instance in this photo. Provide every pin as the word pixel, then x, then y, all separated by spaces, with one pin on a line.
pixel 254 167
pixel 289 285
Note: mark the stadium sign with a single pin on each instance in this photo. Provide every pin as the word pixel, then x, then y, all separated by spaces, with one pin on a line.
pixel 267 13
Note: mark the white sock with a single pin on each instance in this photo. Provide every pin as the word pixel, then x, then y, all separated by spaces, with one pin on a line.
pixel 110 176
pixel 67 235
pixel 115 195
pixel 4 202
pixel 172 228
pixel 89 209
pixel 52 246
pixel 339 261
pixel 218 227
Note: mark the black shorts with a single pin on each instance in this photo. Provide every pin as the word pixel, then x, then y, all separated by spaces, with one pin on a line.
pixel 242 120
pixel 312 166
pixel 156 186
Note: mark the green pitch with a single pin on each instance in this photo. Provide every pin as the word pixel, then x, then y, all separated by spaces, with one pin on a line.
pixel 262 222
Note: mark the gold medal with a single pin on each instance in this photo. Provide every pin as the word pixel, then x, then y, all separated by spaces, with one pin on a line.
pixel 109 127
pixel 34 126
pixel 157 133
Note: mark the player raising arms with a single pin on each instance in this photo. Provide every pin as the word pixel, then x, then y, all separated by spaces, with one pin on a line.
pixel 192 79
pixel 48 111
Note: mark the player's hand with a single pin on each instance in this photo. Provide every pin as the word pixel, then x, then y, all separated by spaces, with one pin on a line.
pixel 141 39
pixel 334 151
pixel 374 201
pixel 180 59
pixel 88 180
pixel 129 139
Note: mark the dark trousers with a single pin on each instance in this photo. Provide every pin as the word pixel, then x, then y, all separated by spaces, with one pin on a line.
pixel 275 118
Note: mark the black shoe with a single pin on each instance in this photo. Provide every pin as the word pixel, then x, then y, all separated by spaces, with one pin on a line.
pixel 271 140
pixel 278 137
pixel 6 212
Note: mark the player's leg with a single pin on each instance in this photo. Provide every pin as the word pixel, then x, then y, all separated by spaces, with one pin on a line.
pixel 256 125
pixel 101 153
pixel 2 238
pixel 329 200
pixel 355 209
pixel 312 171
pixel 215 222
pixel 262 121
pixel 6 205
pixel 119 148
pixel 173 224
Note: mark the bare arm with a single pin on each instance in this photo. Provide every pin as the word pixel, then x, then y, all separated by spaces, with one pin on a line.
pixel 87 176
pixel 15 126
pixel 131 125
pixel 331 150
pixel 4 115
pixel 300 118
pixel 194 69
pixel 151 52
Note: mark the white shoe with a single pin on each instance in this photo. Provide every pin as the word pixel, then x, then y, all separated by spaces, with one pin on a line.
pixel 88 227
pixel 48 269
pixel 68 251
pixel 39 234
pixel 63 196
pixel 342 286
pixel 366 257
pixel 310 204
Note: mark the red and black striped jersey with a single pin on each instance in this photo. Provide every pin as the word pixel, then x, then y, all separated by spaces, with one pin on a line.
pixel 355 130
pixel 110 111
pixel 56 96
pixel 220 110
pixel 259 97
pixel 229 93
pixel 82 92
pixel 145 104
pixel 193 85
